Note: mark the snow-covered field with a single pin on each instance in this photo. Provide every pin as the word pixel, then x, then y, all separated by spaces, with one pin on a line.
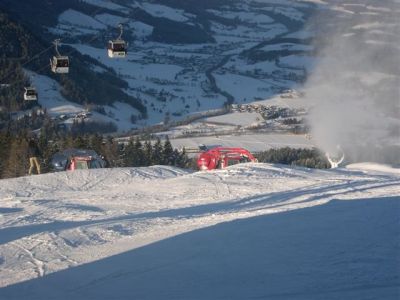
pixel 249 231
pixel 57 106
pixel 252 142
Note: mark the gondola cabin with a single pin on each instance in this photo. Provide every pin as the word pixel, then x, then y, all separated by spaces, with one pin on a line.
pixel 117 48
pixel 30 94
pixel 60 64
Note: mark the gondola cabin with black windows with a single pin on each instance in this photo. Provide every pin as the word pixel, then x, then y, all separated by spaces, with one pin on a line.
pixel 30 94
pixel 60 64
pixel 117 48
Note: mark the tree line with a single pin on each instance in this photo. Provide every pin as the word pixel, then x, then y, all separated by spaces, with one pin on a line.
pixel 137 152
pixel 309 158
pixel 14 160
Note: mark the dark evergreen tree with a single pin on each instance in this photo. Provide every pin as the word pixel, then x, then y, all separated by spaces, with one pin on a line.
pixel 168 154
pixel 181 159
pixel 112 153
pixel 67 142
pixel 138 153
pixel 81 142
pixel 96 142
pixel 17 163
pixel 47 149
pixel 158 157
pixel 148 154
pixel 129 153
pixel 5 145
pixel 311 158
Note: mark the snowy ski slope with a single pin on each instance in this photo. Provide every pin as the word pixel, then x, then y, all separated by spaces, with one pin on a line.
pixel 248 231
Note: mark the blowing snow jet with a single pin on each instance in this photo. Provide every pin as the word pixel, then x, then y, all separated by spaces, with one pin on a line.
pixel 354 89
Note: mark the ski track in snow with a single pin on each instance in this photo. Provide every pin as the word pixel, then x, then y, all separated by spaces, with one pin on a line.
pixel 72 218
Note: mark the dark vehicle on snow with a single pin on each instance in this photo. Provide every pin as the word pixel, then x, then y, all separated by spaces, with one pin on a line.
pixel 74 159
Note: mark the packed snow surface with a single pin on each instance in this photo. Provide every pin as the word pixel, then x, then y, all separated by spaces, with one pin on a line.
pixel 249 231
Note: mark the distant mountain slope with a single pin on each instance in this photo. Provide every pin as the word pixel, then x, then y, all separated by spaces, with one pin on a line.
pixel 32 50
pixel 38 14
pixel 19 48
pixel 201 32
pixel 186 57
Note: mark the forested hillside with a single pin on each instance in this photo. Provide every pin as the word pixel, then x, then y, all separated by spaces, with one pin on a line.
pixel 26 49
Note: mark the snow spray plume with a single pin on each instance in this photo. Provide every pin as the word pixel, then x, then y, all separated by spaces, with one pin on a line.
pixel 355 87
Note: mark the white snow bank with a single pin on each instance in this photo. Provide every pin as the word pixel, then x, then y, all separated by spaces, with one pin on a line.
pixel 374 167
pixel 248 231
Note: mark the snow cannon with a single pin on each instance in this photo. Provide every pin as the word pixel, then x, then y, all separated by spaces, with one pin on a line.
pixel 335 159
pixel 221 157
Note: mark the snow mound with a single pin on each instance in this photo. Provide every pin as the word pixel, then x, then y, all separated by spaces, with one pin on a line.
pixel 93 179
pixel 248 231
pixel 370 166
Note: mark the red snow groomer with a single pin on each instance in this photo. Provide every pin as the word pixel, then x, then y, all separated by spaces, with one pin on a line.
pixel 221 157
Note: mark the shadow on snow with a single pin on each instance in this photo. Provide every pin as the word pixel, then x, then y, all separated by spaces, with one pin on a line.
pixel 270 200
pixel 340 250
